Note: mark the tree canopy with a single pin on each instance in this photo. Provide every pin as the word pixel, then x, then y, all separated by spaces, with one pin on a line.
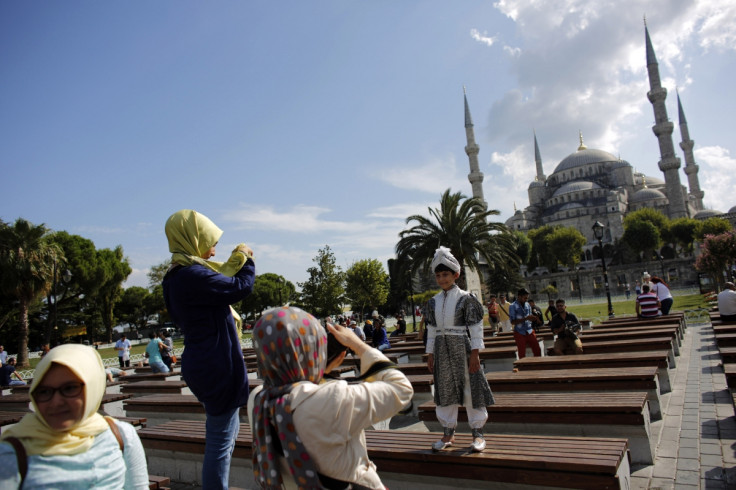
pixel 366 284
pixel 461 224
pixel 323 291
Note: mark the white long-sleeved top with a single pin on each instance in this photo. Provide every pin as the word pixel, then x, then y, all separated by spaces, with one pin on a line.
pixel 330 419
pixel 444 314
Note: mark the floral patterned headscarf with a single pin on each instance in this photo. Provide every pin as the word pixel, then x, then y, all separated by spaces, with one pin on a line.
pixel 291 347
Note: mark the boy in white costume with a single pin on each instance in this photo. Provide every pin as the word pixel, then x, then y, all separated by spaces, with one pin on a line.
pixel 454 320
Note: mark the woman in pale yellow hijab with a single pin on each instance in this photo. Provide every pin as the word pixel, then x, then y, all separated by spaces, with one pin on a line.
pixel 199 293
pixel 65 443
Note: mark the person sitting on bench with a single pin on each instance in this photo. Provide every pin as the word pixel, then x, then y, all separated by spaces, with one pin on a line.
pixel 307 428
pixel 564 324
pixel 65 443
pixel 727 302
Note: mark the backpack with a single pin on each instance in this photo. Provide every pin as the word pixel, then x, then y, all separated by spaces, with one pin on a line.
pixel 22 457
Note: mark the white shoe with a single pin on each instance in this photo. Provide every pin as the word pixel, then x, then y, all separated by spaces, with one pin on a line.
pixel 440 445
pixel 479 443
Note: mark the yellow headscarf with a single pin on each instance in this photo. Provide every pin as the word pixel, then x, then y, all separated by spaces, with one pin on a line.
pixel 190 235
pixel 33 431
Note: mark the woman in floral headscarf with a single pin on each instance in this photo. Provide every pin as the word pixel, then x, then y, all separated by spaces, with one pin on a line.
pixel 198 293
pixel 310 429
pixel 67 444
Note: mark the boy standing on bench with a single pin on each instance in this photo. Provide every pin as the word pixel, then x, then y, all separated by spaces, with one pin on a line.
pixel 454 323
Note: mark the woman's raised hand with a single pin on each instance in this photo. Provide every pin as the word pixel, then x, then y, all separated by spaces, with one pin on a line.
pixel 347 338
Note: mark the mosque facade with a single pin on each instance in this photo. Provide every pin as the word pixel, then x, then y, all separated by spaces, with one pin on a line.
pixel 592 185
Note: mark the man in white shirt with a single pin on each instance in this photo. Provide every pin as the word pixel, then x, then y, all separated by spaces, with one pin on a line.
pixel 123 348
pixel 727 302
pixel 357 330
pixel 3 355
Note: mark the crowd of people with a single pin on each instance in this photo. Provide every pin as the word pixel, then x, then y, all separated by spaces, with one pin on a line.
pixel 307 425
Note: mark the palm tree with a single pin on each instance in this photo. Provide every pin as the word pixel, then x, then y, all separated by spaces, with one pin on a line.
pixel 26 268
pixel 462 225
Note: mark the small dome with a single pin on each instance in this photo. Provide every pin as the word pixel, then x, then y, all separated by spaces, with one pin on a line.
pixel 585 157
pixel 707 213
pixel 732 210
pixel 576 186
pixel 647 194
pixel 536 183
pixel 648 180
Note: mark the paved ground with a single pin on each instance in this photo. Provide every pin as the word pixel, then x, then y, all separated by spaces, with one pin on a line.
pixel 697 434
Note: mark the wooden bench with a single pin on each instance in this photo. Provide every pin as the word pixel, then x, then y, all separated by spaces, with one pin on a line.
pixel 726 339
pixel 633 334
pixel 405 459
pixel 601 380
pixel 728 354
pixel 730 372
pixel 630 345
pixel 151 387
pixel 158 482
pixel 21 402
pixel 495 359
pixel 724 328
pixel 159 409
pixel 135 378
pixel 609 360
pixel 623 327
pixel 581 414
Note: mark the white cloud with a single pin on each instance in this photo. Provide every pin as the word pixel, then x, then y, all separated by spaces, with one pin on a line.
pixel 716 177
pixel 433 176
pixel 300 219
pixel 482 38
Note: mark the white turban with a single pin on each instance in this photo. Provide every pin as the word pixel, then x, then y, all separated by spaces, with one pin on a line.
pixel 443 256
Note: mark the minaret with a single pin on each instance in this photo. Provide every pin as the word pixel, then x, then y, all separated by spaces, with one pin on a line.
pixel 691 169
pixel 669 164
pixel 475 176
pixel 538 160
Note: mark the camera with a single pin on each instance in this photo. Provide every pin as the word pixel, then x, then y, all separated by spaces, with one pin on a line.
pixel 571 331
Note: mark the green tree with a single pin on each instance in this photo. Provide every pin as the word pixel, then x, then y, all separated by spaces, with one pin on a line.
pixel 522 246
pixel 683 232
pixel 502 277
pixel 269 290
pixel 157 273
pixel 656 218
pixel 26 261
pixel 113 270
pixel 132 306
pixel 366 284
pixel 643 237
pixel 550 291
pixel 323 291
pixel 541 253
pixel 566 245
pixel 712 226
pixel 463 225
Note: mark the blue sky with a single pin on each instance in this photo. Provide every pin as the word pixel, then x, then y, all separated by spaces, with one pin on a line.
pixel 295 125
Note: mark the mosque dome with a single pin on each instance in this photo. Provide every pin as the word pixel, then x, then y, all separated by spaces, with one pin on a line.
pixel 708 213
pixel 640 179
pixel 576 186
pixel 586 156
pixel 732 210
pixel 647 194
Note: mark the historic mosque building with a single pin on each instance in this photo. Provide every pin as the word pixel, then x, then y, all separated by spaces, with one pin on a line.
pixel 592 185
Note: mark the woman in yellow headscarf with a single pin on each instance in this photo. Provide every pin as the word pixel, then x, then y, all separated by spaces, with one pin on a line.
pixel 67 444
pixel 198 294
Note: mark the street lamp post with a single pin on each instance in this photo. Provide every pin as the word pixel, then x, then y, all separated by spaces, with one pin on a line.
pixel 598 232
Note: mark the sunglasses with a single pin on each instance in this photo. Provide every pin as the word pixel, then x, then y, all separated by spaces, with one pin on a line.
pixel 69 390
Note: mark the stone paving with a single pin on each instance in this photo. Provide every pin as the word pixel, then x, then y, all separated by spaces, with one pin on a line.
pixel 697 434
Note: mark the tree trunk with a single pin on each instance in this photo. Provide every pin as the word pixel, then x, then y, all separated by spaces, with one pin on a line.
pixel 22 360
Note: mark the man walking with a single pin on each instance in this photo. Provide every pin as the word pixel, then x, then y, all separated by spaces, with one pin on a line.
pixel 123 348
pixel 522 319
